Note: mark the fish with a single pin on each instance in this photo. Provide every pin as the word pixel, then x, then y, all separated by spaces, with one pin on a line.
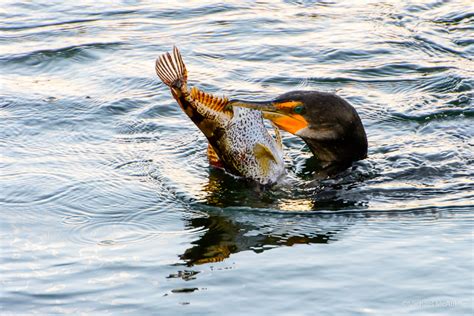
pixel 238 140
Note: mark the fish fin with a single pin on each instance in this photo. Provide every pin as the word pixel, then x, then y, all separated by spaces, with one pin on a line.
pixel 214 159
pixel 212 102
pixel 278 139
pixel 264 155
pixel 171 70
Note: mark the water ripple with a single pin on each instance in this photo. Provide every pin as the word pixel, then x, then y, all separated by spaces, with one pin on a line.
pixel 106 188
pixel 41 25
pixel 47 57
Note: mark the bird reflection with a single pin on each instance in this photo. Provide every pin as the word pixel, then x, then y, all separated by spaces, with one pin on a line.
pixel 225 236
pixel 229 231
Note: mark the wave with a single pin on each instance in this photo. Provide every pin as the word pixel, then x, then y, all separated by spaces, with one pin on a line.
pixel 82 52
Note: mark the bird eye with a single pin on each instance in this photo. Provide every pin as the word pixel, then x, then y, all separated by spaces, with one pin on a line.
pixel 298 109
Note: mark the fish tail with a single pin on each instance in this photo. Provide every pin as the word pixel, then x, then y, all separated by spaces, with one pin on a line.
pixel 171 70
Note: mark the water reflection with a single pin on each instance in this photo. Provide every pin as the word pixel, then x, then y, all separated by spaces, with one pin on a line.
pixel 302 191
pixel 229 233
pixel 230 229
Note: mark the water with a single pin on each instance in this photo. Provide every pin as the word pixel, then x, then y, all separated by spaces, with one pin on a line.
pixel 107 202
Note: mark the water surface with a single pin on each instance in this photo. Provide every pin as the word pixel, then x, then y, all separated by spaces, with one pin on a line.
pixel 108 205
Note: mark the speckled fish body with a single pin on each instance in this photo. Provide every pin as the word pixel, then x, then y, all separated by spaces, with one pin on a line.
pixel 238 139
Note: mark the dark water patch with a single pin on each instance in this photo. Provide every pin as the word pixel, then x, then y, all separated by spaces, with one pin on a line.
pixel 432 45
pixel 453 114
pixel 184 290
pixel 397 69
pixel 57 296
pixel 462 100
pixel 461 28
pixel 338 55
pixel 464 42
pixel 455 18
pixel 441 86
pixel 196 11
pixel 342 80
pixel 428 171
pixel 112 13
pixel 310 3
pixel 158 111
pixel 279 81
pixel 49 58
pixel 451 83
pixel 427 46
pixel 42 25
pixel 306 196
pixel 263 20
pixel 426 7
pixel 121 106
pixel 186 275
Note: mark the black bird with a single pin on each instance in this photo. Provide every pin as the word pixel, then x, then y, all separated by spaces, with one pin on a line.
pixel 328 124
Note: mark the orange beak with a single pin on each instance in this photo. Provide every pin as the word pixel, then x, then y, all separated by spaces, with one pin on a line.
pixel 291 123
pixel 279 113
